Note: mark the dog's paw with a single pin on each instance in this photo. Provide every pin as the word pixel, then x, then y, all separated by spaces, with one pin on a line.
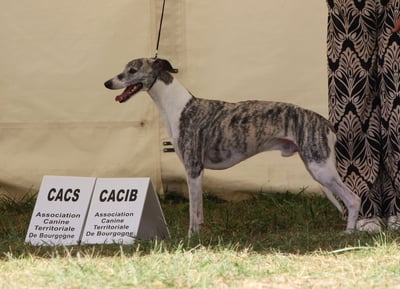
pixel 348 231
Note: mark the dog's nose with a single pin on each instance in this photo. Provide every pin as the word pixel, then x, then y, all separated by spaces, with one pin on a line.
pixel 108 84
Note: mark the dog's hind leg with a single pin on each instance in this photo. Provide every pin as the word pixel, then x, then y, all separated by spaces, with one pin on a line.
pixel 195 203
pixel 332 198
pixel 350 199
pixel 325 173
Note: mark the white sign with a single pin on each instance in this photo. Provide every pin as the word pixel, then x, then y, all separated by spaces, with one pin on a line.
pixel 60 210
pixel 74 210
pixel 123 209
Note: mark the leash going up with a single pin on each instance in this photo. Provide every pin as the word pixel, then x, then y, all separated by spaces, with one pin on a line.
pixel 159 29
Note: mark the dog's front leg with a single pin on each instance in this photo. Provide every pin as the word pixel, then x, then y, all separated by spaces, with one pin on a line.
pixel 195 203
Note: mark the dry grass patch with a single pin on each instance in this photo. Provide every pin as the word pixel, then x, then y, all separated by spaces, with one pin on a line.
pixel 373 267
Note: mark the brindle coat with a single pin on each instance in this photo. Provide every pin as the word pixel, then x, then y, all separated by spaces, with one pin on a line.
pixel 215 134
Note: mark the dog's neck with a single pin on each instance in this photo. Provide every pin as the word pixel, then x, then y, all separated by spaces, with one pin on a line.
pixel 170 99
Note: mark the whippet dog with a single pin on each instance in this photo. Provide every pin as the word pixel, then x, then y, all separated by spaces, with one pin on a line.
pixel 213 134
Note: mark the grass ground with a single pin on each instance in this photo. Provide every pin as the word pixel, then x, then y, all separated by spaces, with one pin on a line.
pixel 273 241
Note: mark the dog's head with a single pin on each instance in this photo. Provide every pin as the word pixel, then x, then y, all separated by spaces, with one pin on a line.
pixel 140 74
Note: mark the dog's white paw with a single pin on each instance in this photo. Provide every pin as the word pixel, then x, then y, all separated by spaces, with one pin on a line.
pixel 348 231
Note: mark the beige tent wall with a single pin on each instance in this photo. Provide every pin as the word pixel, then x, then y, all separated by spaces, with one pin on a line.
pixel 57 118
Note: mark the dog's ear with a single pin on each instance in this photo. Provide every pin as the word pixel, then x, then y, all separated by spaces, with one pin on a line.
pixel 164 65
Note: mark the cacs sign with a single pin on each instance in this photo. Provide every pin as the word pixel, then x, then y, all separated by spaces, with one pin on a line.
pixel 63 195
pixel 60 210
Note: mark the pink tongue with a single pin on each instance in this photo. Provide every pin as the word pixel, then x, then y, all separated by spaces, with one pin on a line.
pixel 124 95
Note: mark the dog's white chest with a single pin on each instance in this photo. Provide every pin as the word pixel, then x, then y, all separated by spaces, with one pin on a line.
pixel 171 100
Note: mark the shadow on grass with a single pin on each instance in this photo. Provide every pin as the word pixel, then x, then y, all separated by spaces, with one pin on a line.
pixel 272 222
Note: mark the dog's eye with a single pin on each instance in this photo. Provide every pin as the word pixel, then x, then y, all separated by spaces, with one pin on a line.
pixel 132 71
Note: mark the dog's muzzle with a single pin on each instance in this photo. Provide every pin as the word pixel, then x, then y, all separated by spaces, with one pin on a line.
pixel 128 91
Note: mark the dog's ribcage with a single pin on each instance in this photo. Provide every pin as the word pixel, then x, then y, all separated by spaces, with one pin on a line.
pixel 216 134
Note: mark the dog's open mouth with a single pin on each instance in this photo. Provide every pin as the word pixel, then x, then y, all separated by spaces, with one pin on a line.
pixel 128 92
